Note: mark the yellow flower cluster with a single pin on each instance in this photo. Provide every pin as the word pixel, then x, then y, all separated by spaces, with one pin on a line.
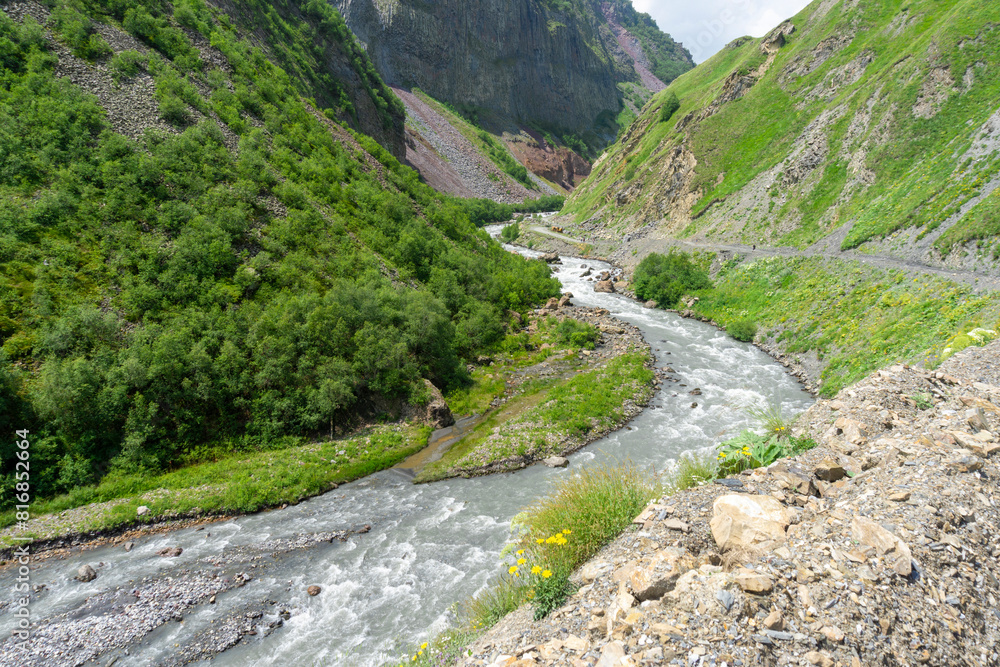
pixel 419 653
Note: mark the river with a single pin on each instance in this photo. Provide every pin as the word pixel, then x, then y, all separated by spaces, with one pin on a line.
pixel 430 545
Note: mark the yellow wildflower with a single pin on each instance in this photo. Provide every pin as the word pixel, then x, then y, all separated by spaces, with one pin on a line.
pixel 521 561
pixel 546 574
pixel 536 569
pixel 512 569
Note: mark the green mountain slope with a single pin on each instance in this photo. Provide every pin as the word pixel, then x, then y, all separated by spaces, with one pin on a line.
pixel 869 125
pixel 194 254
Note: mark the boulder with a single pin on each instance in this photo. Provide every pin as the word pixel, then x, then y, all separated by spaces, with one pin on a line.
pixel 142 510
pixel 564 300
pixel 650 304
pixel 438 413
pixel 314 591
pixel 556 461
pixel 830 471
pixel 605 286
pixel 550 257
pixel 86 573
pixel 170 552
pixel 611 655
pixel 551 304
pixel 129 545
pixel 896 552
pixel 742 521
pixel 854 431
pixel 650 578
pixel 754 582
pixel 975 445
pixel 976 419
pixel 775 621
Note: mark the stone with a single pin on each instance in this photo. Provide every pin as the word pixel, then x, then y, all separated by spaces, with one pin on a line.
pixel 897 553
pixel 676 524
pixel 86 573
pixel 652 577
pixel 170 552
pixel 550 257
pixel 973 444
pixel 821 659
pixel 556 461
pixel 592 570
pixel 965 463
pixel 798 479
pixel 578 644
pixel 650 304
pixel 142 510
pixel 129 546
pixel 976 419
pixel 605 286
pixel 854 431
pixel 774 621
pixel 314 590
pixel 899 496
pixel 438 413
pixel 830 471
pixel 754 582
pixel 837 405
pixel 741 521
pixel 551 304
pixel 611 654
pixel 832 633
pixel 564 301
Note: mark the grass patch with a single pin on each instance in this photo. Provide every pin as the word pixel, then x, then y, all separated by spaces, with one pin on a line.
pixel 548 418
pixel 856 318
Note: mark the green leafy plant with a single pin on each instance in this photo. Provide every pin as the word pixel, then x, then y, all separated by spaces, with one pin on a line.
pixel 923 401
pixel 510 233
pixel 751 449
pixel 665 278
pixel 670 105
pixel 742 329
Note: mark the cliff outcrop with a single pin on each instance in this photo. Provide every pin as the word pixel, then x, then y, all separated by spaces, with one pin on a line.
pixel 554 64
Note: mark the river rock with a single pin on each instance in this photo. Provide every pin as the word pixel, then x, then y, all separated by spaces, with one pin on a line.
pixel 556 461
pixel 605 286
pixel 86 573
pixel 314 590
pixel 741 521
pixel 170 552
pixel 129 546
pixel 650 304
pixel 550 257
pixel 565 300
pixel 142 510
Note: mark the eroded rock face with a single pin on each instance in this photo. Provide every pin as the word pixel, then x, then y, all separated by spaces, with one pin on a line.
pixel 741 521
pixel 525 60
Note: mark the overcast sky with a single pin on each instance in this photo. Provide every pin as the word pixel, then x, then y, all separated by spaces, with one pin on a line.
pixel 705 26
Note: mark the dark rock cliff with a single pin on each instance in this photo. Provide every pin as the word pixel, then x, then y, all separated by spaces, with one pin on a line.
pixel 556 64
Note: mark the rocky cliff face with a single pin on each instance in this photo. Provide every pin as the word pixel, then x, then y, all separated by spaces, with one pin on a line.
pixel 530 61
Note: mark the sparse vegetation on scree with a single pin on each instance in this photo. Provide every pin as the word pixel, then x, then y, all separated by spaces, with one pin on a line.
pixel 168 299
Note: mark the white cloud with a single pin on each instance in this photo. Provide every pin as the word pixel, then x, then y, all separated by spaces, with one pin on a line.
pixel 705 26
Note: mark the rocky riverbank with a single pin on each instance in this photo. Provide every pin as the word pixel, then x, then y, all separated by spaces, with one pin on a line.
pixel 876 547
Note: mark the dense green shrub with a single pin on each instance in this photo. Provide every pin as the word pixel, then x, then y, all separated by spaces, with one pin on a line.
pixel 577 333
pixel 670 105
pixel 160 295
pixel 78 32
pixel 742 329
pixel 666 278
pixel 510 233
pixel 126 64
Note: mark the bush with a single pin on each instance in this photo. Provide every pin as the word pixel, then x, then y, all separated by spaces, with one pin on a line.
pixel 665 278
pixel 127 64
pixel 577 333
pixel 742 329
pixel 751 449
pixel 670 105
pixel 510 233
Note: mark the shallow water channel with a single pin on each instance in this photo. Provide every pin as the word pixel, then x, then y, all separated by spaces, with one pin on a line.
pixel 430 545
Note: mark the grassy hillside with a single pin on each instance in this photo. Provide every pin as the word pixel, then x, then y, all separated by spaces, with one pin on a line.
pixel 234 272
pixel 860 121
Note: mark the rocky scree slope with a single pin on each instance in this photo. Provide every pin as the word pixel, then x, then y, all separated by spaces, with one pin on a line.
pixel 554 63
pixel 877 547
pixel 852 125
